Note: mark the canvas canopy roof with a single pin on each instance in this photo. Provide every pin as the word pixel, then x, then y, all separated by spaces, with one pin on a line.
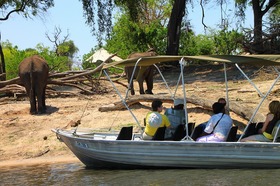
pixel 102 55
pixel 263 60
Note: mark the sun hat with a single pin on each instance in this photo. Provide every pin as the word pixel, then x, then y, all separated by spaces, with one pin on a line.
pixel 155 119
pixel 178 102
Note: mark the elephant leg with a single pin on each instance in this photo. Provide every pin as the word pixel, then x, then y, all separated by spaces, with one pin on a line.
pixel 131 88
pixel 149 79
pixel 141 87
pixel 32 99
pixel 40 103
pixel 41 98
pixel 132 91
pixel 44 99
pixel 149 83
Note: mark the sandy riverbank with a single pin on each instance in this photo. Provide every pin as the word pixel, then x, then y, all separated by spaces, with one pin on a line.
pixel 27 139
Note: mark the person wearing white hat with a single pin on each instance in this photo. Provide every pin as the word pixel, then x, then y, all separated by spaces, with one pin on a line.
pixel 155 120
pixel 176 116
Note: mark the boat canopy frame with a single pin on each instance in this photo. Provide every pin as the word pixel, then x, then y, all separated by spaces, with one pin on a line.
pixel 260 60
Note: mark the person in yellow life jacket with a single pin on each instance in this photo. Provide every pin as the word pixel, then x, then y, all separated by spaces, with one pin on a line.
pixel 154 120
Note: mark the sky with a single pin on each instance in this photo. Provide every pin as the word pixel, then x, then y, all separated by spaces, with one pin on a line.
pixel 27 33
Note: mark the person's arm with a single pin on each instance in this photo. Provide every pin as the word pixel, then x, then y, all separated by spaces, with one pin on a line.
pixel 209 126
pixel 166 121
pixel 268 118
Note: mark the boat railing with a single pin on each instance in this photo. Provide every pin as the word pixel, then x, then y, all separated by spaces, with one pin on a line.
pixel 275 132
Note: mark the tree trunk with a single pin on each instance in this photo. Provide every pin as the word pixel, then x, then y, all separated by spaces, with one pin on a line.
pixel 3 66
pixel 174 27
pixel 258 15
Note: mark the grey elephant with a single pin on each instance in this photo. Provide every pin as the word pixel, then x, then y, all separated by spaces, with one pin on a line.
pixel 141 74
pixel 33 73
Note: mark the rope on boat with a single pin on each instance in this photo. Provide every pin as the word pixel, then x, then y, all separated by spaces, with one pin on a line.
pixel 74 133
pixel 113 121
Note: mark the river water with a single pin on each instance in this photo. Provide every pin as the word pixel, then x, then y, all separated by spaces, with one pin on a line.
pixel 76 174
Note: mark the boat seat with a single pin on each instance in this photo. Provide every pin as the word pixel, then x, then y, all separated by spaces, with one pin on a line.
pixel 251 130
pixel 232 134
pixel 179 133
pixel 190 128
pixel 197 132
pixel 125 133
pixel 159 135
pixel 258 126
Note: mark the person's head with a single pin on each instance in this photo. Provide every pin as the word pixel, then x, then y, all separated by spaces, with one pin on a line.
pixel 222 100
pixel 178 104
pixel 157 105
pixel 218 108
pixel 274 107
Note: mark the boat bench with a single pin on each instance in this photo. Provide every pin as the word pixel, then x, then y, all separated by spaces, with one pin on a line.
pixel 231 137
pixel 125 133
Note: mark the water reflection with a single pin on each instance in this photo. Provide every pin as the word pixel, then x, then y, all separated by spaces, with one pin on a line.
pixel 76 174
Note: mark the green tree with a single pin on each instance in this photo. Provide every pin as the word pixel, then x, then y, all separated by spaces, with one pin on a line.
pixel 86 64
pixel 227 42
pixel 274 30
pixel 149 31
pixel 67 49
pixel 63 47
pixel 196 45
pixel 27 8
pixel 102 12
pixel 260 9
pixel 14 56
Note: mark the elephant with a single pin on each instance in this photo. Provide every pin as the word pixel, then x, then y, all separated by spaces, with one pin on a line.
pixel 141 73
pixel 33 73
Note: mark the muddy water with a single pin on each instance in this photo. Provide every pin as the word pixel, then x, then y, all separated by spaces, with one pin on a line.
pixel 77 174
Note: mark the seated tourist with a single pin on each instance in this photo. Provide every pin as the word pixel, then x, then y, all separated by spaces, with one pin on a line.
pixel 176 116
pixel 154 120
pixel 264 134
pixel 222 101
pixel 218 126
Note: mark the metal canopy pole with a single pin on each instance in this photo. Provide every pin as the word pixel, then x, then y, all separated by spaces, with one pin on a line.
pixel 250 81
pixel 163 79
pixel 263 98
pixel 226 81
pixel 123 101
pixel 131 79
pixel 182 65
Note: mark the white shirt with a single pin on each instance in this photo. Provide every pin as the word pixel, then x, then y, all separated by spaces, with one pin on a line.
pixel 223 127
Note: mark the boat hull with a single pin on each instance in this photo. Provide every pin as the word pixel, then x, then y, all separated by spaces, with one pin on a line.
pixel 104 153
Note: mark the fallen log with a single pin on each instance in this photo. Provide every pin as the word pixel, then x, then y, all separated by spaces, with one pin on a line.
pixel 245 112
